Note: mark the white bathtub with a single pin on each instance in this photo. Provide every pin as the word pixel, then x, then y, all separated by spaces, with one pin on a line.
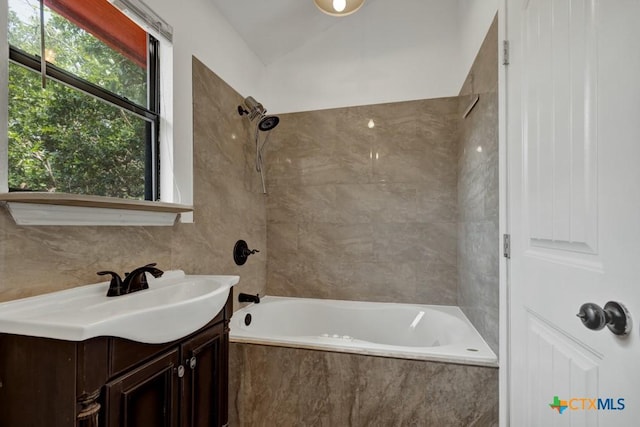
pixel 408 331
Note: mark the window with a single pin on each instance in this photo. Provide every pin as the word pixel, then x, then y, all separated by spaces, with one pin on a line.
pixel 86 119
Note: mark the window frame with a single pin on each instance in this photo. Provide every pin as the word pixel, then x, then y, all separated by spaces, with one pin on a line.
pixel 151 114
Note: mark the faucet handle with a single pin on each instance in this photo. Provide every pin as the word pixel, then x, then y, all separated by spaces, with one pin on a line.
pixel 115 286
pixel 241 252
pixel 114 276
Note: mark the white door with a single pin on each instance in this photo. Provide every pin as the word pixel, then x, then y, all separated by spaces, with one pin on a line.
pixel 573 136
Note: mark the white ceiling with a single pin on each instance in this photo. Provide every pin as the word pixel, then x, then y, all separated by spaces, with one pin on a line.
pixel 272 28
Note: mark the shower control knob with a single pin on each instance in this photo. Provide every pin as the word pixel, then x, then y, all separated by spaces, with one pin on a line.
pixel 614 316
pixel 241 252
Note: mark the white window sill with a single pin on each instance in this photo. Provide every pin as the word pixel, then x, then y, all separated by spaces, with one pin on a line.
pixel 32 208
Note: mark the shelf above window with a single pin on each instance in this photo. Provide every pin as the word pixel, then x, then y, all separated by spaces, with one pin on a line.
pixel 33 208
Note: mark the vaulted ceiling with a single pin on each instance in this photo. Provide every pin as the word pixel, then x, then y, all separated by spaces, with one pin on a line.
pixel 272 28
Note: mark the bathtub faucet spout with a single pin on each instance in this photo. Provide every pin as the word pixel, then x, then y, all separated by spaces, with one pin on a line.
pixel 249 298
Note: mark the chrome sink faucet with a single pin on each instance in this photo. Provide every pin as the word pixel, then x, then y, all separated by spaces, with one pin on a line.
pixel 133 282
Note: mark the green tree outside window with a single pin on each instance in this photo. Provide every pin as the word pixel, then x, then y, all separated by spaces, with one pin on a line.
pixel 63 140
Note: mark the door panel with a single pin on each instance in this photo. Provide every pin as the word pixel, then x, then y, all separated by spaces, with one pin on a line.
pixel 557 366
pixel 559 130
pixel 205 382
pixel 147 396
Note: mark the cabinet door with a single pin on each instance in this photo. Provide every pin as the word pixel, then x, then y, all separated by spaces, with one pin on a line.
pixel 205 387
pixel 145 397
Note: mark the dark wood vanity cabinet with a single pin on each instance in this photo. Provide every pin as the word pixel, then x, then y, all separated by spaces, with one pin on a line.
pixel 205 392
pixel 112 382
pixel 147 396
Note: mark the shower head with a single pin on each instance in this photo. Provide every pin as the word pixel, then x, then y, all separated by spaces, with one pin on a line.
pixel 268 122
pixel 255 108
pixel 265 124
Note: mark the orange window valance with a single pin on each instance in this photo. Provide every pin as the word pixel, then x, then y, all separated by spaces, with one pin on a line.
pixel 107 23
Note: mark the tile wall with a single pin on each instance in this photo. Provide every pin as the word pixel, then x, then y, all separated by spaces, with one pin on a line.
pixel 362 203
pixel 285 387
pixel 478 233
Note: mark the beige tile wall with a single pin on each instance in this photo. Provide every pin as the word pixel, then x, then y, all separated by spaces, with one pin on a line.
pixel 365 213
pixel 478 234
pixel 276 386
pixel 228 206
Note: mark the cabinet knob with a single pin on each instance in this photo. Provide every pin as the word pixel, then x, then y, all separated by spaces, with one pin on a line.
pixel 180 371
pixel 192 362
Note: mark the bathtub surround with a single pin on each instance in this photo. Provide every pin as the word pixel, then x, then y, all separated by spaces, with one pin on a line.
pixel 307 387
pixel 228 206
pixel 362 203
pixel 478 236
pixel 393 202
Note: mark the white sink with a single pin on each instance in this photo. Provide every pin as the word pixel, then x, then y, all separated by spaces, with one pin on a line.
pixel 174 306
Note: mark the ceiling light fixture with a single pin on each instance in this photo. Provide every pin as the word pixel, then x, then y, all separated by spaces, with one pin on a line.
pixel 339 7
